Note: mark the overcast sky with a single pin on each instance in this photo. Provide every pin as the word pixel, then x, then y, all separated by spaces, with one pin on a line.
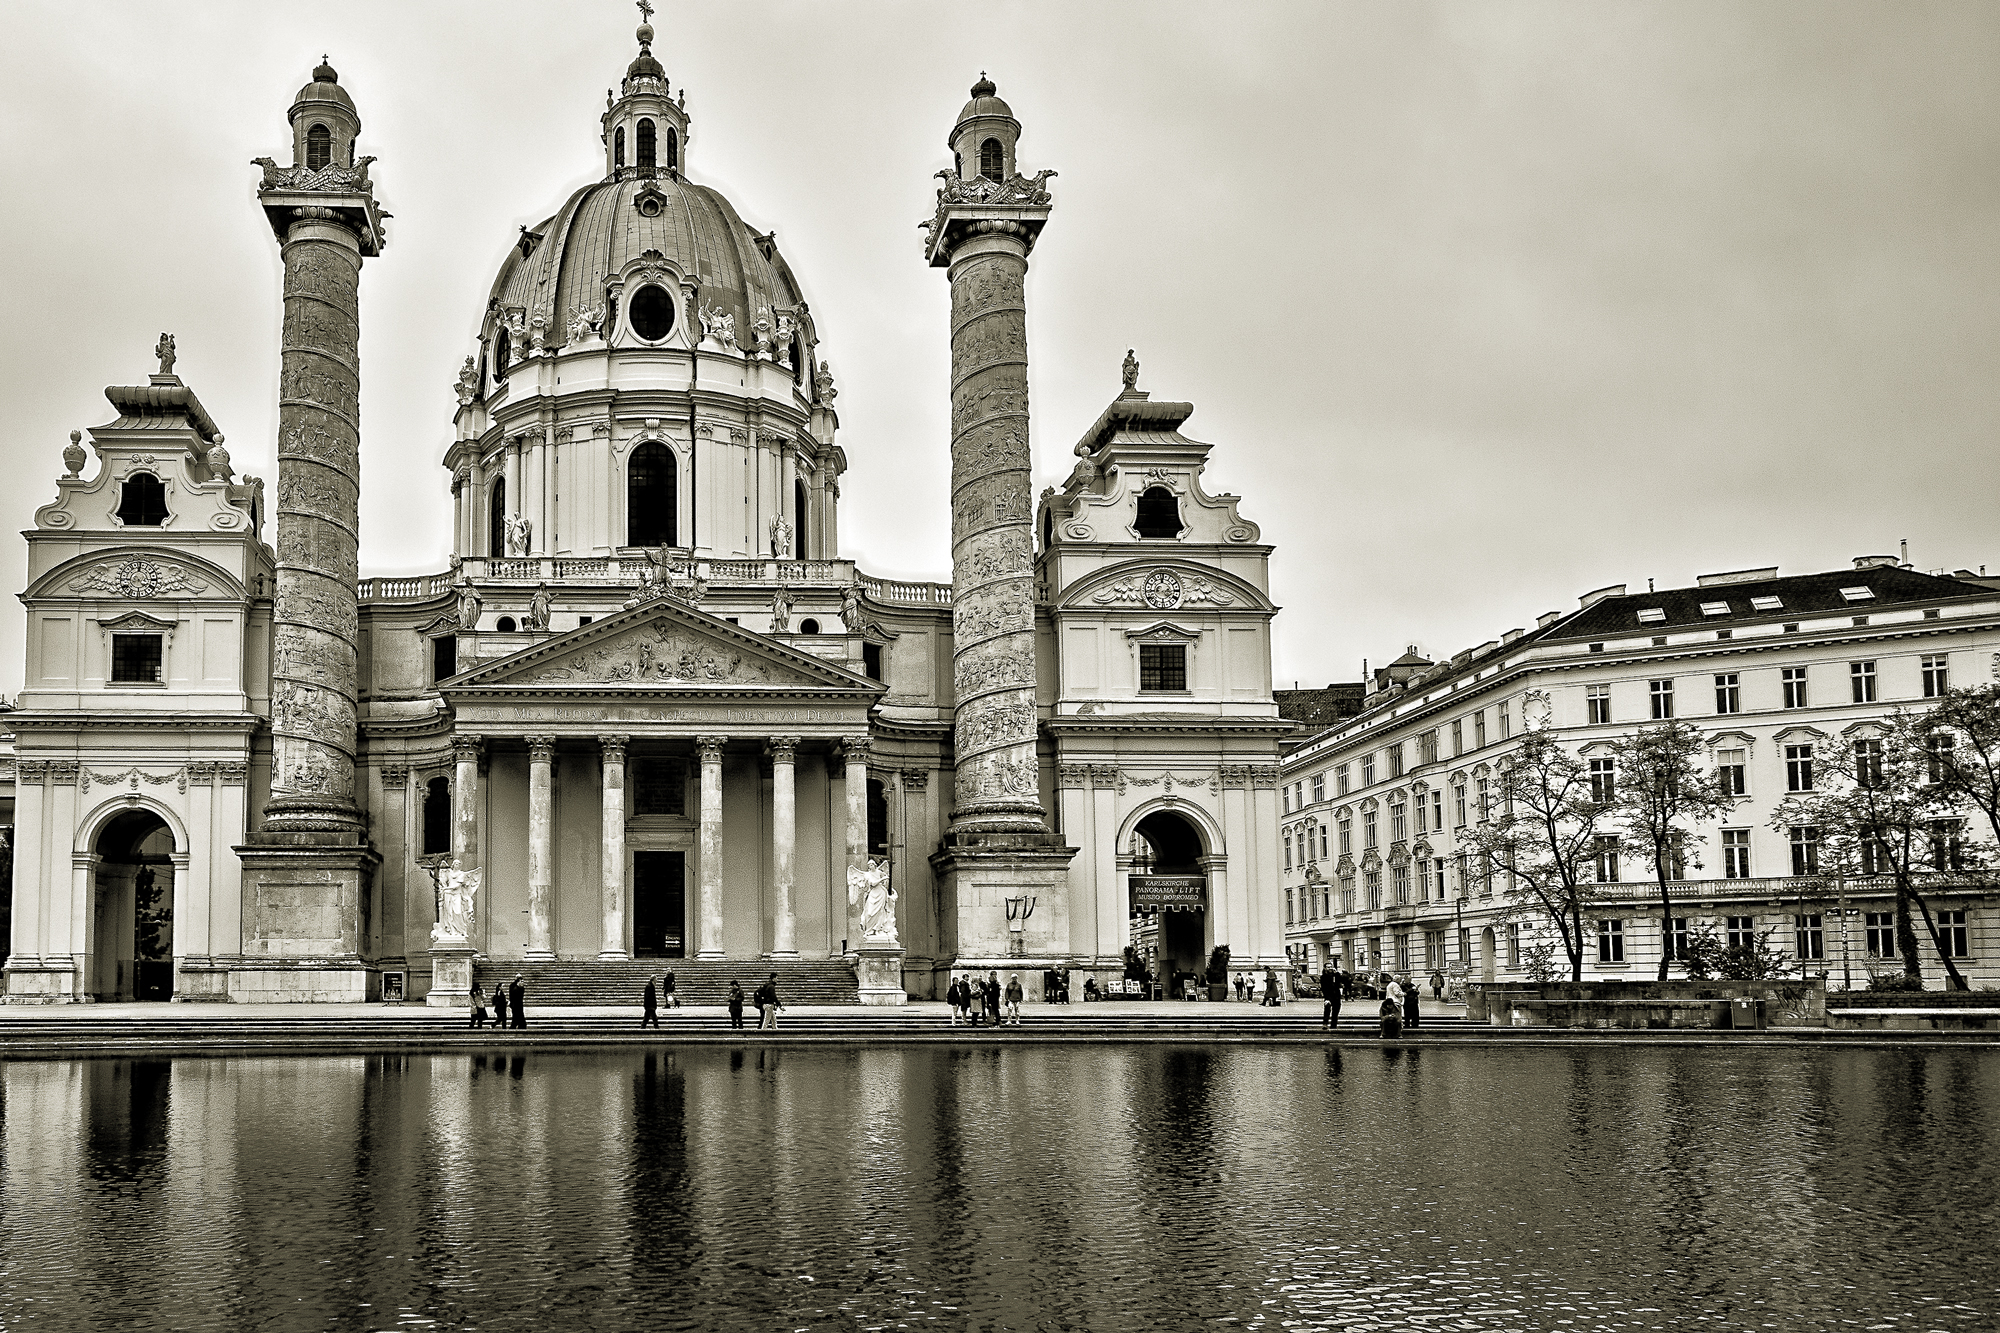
pixel 1482 305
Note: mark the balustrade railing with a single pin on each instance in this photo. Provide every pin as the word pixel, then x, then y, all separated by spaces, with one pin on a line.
pixel 628 570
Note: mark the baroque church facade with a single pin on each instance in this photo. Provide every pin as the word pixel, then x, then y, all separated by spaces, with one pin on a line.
pixel 649 701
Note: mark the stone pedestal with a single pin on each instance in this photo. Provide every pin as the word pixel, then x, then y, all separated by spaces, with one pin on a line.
pixel 879 970
pixel 451 976
pixel 302 910
pixel 979 873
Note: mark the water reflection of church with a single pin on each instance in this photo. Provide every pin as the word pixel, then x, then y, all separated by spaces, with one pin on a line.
pixel 649 698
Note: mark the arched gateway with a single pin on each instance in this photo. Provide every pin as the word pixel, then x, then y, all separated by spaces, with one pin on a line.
pixel 132 940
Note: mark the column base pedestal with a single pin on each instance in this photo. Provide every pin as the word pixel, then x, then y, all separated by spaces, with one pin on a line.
pixel 539 956
pixel 451 976
pixel 614 956
pixel 980 873
pixel 879 970
pixel 302 909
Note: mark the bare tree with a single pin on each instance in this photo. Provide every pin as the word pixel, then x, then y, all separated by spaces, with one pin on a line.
pixel 1660 788
pixel 1961 737
pixel 1543 837
pixel 1878 809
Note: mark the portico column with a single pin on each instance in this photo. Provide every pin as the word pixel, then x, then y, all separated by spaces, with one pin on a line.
pixel 541 752
pixel 710 890
pixel 855 750
pixel 614 847
pixel 783 833
pixel 465 803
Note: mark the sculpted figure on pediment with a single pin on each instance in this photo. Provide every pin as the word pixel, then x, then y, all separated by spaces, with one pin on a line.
pixel 669 657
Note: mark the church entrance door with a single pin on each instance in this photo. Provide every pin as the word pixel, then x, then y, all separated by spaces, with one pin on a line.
pixel 134 908
pixel 1169 886
pixel 659 905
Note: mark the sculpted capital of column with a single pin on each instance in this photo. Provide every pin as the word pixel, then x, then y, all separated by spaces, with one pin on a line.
pixel 784 749
pixel 614 748
pixel 465 748
pixel 710 748
pixel 541 749
pixel 856 748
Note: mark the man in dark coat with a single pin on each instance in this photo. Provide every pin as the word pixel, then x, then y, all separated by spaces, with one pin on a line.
pixel 651 1005
pixel 499 1004
pixel 767 1003
pixel 735 1003
pixel 517 1002
pixel 1410 1004
pixel 1329 992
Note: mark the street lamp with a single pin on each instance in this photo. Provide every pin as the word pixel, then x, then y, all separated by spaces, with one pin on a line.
pixel 1018 912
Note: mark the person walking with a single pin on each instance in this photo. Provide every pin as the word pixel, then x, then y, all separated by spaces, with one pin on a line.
pixel 1410 996
pixel 1014 997
pixel 767 1004
pixel 478 1007
pixel 499 1004
pixel 1271 987
pixel 669 994
pixel 735 1003
pixel 1437 985
pixel 1329 994
pixel 516 1002
pixel 1239 988
pixel 992 997
pixel 649 1016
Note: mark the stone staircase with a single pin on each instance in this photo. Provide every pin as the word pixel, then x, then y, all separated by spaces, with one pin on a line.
pixel 555 985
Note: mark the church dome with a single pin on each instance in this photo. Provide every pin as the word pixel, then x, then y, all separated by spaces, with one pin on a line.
pixel 602 228
pixel 325 87
pixel 986 101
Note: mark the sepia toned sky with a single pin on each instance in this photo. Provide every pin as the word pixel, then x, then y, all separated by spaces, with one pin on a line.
pixel 1482 305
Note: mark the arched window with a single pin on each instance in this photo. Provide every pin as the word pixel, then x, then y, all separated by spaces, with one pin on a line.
pixel 618 148
pixel 878 819
pixel 1159 513
pixel 650 497
pixel 319 147
pixel 992 160
pixel 503 352
pixel 646 158
pixel 1048 528
pixel 798 361
pixel 673 149
pixel 437 817
pixel 496 518
pixel 798 519
pixel 142 501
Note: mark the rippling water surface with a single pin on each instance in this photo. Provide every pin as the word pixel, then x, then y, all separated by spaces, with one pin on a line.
pixel 1044 1187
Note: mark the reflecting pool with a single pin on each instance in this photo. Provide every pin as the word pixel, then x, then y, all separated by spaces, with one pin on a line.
pixel 1119 1187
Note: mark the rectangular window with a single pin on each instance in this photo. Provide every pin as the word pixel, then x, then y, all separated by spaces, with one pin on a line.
pixel 1285 793
pixel 1288 907
pixel 1809 934
pixel 1603 780
pixel 1437 812
pixel 1403 951
pixel 1399 823
pixel 1347 893
pixel 1479 728
pixel 1598 700
pixel 1610 940
pixel 1464 884
pixel 1506 727
pixel 1374 882
pixel 1458 737
pixel 136 657
pixel 1739 932
pixel 1798 768
pixel 1458 805
pixel 1368 769
pixel 1937 676
pixel 1322 841
pixel 1938 747
pixel 1736 853
pixel 1881 934
pixel 1728 693
pixel 1319 787
pixel 1485 800
pixel 1795 686
pixel 1677 939
pixel 1730 766
pixel 1396 760
pixel 1663 699
pixel 1368 838
pixel 1867 762
pixel 1875 856
pixel 1861 677
pixel 1347 837
pixel 1288 851
pixel 1423 879
pixel 1606 856
pixel 1513 947
pixel 1805 849
pixel 1340 780
pixel 1434 949
pixel 444 657
pixel 1947 844
pixel 1954 933
pixel 1400 874
pixel 1162 666
pixel 1427 748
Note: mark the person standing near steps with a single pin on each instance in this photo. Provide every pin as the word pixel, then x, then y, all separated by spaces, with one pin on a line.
pixel 499 1004
pixel 649 1016
pixel 517 1002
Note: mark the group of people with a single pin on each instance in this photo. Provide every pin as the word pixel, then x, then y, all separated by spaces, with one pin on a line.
pixel 1399 996
pixel 1055 985
pixel 509 998
pixel 973 998
pixel 1270 992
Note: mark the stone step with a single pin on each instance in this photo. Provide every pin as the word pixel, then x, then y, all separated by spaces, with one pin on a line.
pixel 696 981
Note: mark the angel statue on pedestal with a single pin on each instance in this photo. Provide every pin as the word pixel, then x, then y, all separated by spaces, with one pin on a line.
pixel 869 889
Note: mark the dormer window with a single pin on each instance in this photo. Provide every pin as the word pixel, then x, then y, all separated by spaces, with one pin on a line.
pixel 992 160
pixel 618 149
pixel 142 501
pixel 1159 512
pixel 319 147
pixel 646 146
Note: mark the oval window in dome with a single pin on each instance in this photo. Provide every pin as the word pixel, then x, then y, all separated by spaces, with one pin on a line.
pixel 652 313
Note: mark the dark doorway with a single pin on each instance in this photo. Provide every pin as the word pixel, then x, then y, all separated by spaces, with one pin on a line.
pixel 659 905
pixel 1166 844
pixel 135 908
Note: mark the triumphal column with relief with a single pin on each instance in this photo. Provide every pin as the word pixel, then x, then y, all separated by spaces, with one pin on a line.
pixel 309 862
pixel 1007 873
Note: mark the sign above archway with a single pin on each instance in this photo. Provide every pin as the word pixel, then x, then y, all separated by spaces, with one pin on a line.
pixel 1169 893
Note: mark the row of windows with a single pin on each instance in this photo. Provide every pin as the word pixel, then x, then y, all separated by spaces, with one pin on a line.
pixel 1807 930
pixel 647 142
pixel 1793 682
pixel 1392 758
pixel 1425 814
pixel 652 504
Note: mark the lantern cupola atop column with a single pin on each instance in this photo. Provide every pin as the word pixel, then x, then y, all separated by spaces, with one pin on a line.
pixel 645 130
pixel 324 171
